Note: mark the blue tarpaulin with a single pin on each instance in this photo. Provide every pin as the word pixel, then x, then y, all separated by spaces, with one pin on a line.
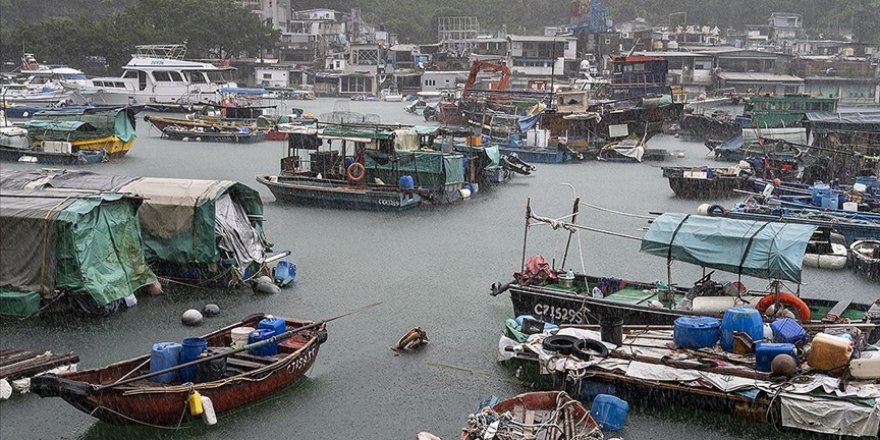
pixel 760 249
pixel 526 123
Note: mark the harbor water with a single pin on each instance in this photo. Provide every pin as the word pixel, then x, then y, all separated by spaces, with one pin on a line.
pixel 430 267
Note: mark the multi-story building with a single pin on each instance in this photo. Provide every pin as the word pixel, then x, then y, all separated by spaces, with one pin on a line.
pixel 536 60
pixel 785 29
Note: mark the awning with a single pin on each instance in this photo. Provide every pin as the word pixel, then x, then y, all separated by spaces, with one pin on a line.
pixel 759 249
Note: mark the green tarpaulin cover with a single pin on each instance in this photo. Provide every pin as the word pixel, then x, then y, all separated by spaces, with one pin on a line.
pixel 760 249
pixel 119 123
pixel 351 132
pixel 15 303
pixel 78 242
pixel 428 169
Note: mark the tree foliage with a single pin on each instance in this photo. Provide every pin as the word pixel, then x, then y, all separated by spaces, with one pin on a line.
pixel 208 27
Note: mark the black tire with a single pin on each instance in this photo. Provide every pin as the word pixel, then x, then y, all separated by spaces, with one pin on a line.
pixel 561 344
pixel 585 348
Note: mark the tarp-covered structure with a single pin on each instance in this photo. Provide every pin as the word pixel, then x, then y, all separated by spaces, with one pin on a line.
pixel 85 244
pixel 429 169
pixel 858 122
pixel 183 221
pixel 759 249
pixel 50 126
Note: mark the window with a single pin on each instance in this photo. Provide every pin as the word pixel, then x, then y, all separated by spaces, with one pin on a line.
pixel 130 74
pixel 161 76
pixel 119 84
pixel 196 77
pixel 216 76
pixel 175 76
pixel 267 76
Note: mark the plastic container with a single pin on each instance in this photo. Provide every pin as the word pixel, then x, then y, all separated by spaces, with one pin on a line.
pixel 215 369
pixel 696 332
pixel 740 319
pixel 523 320
pixel 261 334
pixel 829 201
pixel 860 187
pixel 850 206
pixel 829 353
pixel 194 402
pixel 240 336
pixel 609 411
pixel 867 366
pixel 788 330
pixel 407 183
pixel 765 352
pixel 818 191
pixel 277 325
pixel 284 273
pixel 566 280
pixel 190 351
pixel 164 355
pixel 611 330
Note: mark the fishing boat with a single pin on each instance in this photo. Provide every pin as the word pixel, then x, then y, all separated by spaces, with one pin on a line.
pixel 537 415
pixel 776 111
pixel 716 127
pixel 659 365
pixel 16 146
pixel 93 129
pixel 121 393
pixel 866 258
pixel 385 169
pixel 708 182
pixel 761 249
pixel 852 225
pixel 240 135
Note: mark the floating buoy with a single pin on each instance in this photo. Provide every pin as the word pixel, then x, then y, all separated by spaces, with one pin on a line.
pixel 210 310
pixel 783 365
pixel 264 284
pixel 191 317
pixel 680 154
pixel 154 289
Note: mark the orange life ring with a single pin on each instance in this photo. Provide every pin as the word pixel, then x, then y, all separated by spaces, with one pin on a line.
pixel 356 172
pixel 786 298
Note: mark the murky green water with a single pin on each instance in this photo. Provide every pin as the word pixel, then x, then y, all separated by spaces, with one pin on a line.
pixel 430 267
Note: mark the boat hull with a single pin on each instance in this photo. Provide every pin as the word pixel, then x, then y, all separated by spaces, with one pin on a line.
pixel 79 158
pixel 312 192
pixel 865 265
pixel 719 187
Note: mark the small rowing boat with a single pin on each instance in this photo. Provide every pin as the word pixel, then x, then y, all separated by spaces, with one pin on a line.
pixel 123 393
pixel 537 415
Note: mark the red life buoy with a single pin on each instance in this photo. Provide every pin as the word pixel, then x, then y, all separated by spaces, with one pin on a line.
pixel 788 299
pixel 356 172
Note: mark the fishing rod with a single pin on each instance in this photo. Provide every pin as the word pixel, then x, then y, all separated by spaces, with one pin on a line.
pixel 258 344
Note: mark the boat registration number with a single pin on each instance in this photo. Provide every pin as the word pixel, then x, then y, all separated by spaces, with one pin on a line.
pixel 389 202
pixel 557 314
pixel 302 362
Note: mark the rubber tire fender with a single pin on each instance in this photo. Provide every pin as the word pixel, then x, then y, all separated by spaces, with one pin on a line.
pixel 561 344
pixel 583 348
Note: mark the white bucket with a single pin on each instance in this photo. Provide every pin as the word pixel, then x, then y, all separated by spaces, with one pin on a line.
pixel 851 206
pixel 860 187
pixel 240 336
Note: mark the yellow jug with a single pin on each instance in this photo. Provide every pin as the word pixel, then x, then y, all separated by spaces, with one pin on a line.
pixel 195 404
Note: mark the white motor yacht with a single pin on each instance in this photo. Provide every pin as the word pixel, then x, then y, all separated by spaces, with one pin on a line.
pixel 159 74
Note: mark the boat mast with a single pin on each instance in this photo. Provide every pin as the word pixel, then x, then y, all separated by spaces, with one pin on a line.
pixel 574 213
pixel 526 232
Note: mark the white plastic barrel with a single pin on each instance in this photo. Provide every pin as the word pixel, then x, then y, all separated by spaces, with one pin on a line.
pixel 867 366
pixel 240 336
pixel 208 414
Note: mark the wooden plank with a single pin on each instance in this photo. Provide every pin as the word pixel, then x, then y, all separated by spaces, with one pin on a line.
pixel 30 368
pixel 9 351
pixel 839 308
pixel 18 357
pixel 241 363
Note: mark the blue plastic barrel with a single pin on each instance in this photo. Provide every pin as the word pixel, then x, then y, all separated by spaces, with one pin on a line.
pixel 740 319
pixel 406 183
pixel 610 411
pixel 190 351
pixel 260 335
pixel 765 352
pixel 696 332
pixel 164 355
pixel 348 161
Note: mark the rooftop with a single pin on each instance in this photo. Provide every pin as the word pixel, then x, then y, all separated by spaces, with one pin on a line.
pixel 759 77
